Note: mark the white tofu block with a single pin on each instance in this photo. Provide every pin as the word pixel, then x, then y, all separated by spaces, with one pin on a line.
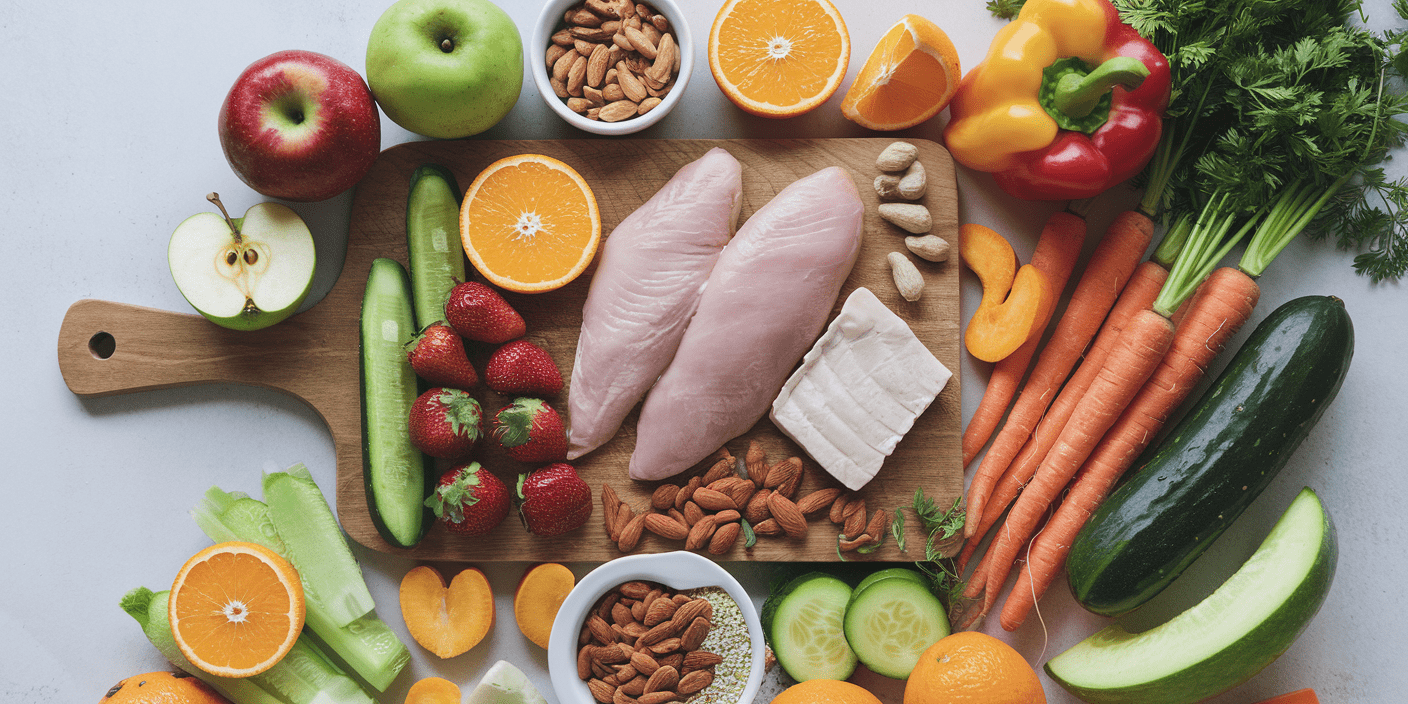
pixel 859 390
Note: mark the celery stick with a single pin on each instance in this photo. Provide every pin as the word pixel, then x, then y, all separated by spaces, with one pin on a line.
pixel 315 544
pixel 304 676
pixel 367 645
pixel 150 611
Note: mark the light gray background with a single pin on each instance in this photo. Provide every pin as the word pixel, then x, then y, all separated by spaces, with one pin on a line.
pixel 109 141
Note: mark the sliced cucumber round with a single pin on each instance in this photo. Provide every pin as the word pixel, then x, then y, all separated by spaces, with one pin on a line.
pixel 1231 635
pixel 806 629
pixel 892 621
pixel 900 572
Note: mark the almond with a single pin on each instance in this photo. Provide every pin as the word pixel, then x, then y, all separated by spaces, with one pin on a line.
pixel 624 515
pixel 724 538
pixel 659 632
pixel 720 470
pixel 687 492
pixel 611 654
pixel 618 111
pixel 663 679
pixel 593 95
pixel 592 34
pixel 664 58
pixel 630 535
pixel 789 487
pixel 778 474
pixel 601 630
pixel 635 589
pixel 755 459
pixel 757 510
pixel 908 281
pixel 690 610
pixel 695 634
pixel 644 663
pixel 601 691
pixel 887 186
pixel 661 22
pixel 713 500
pixel 622 42
pixel 633 688
pixel 559 88
pixel 584 663
pixel 700 659
pixel 726 516
pixel 563 65
pixel 643 11
pixel 555 52
pixel 640 42
pixel 603 8
pixel 579 105
pixel 879 523
pixel 660 611
pixel 562 38
pixel 788 518
pixel 818 500
pixel 665 527
pixel 837 513
pixel 930 247
pixel 896 157
pixel 652 35
pixel 855 522
pixel 612 26
pixel 674 660
pixel 597 65
pixel 665 647
pixel 910 217
pixel 610 506
pixel 635 91
pixel 741 491
pixel 913 184
pixel 695 681
pixel 664 497
pixel 604 610
pixel 861 541
pixel 622 698
pixel 656 697
pixel 692 513
pixel 700 532
pixel 767 527
pixel 624 673
pixel 583 18
pixel 577 76
pixel 611 93
pixel 584 47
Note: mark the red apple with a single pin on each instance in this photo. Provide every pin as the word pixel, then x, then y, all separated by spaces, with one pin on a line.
pixel 300 126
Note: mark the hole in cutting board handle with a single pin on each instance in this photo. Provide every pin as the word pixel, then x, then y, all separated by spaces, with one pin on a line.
pixel 102 345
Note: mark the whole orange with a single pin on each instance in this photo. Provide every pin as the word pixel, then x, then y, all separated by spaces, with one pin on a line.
pixel 825 692
pixel 162 688
pixel 972 668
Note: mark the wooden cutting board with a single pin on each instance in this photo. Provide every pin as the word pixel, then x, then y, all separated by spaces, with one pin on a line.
pixel 110 348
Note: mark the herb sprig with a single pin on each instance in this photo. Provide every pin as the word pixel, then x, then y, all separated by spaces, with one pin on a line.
pixel 938 525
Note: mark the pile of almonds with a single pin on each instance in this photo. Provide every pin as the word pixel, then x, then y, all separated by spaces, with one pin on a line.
pixel 706 512
pixel 642 644
pixel 614 60
pixel 905 180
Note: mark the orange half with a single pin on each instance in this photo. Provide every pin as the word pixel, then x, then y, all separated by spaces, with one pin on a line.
pixel 236 609
pixel 530 223
pixel 778 58
pixel 908 78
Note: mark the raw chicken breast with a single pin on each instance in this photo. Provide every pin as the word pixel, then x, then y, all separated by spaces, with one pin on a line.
pixel 766 301
pixel 646 287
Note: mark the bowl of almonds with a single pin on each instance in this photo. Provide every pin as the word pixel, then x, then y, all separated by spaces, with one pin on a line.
pixel 611 66
pixel 650 629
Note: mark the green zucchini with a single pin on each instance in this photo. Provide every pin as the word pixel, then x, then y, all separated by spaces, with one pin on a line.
pixel 1188 490
pixel 394 471
pixel 434 249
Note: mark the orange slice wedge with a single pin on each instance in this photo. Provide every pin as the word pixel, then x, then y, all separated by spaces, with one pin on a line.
pixel 530 223
pixel 908 78
pixel 236 609
pixel 778 58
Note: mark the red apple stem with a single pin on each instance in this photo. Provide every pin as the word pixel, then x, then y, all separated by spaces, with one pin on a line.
pixel 214 197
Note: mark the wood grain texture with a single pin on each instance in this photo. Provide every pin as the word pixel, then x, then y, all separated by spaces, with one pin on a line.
pixel 314 354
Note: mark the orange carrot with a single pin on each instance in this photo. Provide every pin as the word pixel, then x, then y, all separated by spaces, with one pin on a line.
pixel 1055 255
pixel 1110 267
pixel 1222 304
pixel 1138 295
pixel 1136 355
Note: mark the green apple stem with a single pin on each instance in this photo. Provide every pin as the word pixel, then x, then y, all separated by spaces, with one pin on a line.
pixel 214 197
pixel 447 45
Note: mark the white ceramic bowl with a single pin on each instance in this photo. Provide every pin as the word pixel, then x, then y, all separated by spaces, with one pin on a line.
pixel 551 20
pixel 677 570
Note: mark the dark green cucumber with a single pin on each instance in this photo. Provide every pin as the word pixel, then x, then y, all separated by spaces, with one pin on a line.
pixel 435 252
pixel 1188 490
pixel 394 471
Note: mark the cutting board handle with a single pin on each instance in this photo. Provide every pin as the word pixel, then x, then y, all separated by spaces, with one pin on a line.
pixel 110 348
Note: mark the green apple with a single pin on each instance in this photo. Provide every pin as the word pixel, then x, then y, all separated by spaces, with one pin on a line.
pixel 445 68
pixel 243 273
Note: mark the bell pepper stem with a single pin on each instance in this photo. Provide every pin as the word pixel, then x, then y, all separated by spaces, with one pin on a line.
pixel 1077 95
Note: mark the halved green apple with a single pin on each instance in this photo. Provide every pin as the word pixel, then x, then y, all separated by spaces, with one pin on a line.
pixel 243 273
pixel 1228 637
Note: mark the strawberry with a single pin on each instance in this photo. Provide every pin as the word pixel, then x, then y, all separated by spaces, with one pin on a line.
pixel 437 355
pixel 478 312
pixel 521 368
pixel 445 423
pixel 469 500
pixel 554 500
pixel 530 430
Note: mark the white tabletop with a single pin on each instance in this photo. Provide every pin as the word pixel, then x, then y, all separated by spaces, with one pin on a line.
pixel 108 124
